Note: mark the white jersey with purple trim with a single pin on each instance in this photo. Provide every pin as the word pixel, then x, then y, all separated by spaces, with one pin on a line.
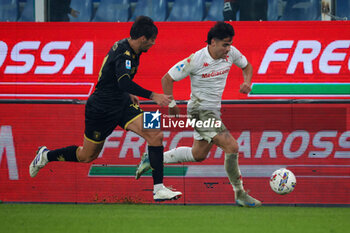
pixel 208 76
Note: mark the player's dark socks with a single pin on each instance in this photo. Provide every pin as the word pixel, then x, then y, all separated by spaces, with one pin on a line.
pixel 63 154
pixel 155 154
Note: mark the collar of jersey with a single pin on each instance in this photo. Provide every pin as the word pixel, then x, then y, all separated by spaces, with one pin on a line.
pixel 131 50
pixel 208 54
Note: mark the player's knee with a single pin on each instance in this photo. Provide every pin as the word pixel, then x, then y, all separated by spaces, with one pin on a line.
pixel 199 156
pixel 87 157
pixel 200 159
pixel 154 138
pixel 230 147
pixel 233 148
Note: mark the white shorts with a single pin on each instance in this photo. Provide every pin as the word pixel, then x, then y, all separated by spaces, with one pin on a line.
pixel 210 130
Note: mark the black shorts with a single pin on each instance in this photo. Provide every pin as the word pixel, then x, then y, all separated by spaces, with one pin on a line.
pixel 101 121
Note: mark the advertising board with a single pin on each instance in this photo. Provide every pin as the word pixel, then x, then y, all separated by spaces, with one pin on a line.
pixel 312 140
pixel 290 60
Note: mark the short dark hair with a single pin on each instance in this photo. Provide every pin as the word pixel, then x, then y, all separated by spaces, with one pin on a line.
pixel 220 30
pixel 143 26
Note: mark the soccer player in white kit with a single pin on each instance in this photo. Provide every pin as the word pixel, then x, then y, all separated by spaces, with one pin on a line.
pixel 208 69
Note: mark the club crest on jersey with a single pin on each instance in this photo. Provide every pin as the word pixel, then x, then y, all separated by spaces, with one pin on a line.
pixel 128 64
pixel 127 53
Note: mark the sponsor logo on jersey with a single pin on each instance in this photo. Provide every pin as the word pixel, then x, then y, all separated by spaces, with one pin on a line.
pixel 215 73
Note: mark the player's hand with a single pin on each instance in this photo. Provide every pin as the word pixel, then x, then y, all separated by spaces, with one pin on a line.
pixel 161 99
pixel 134 99
pixel 245 88
pixel 175 111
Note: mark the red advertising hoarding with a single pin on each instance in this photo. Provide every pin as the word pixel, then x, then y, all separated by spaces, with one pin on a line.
pixel 62 60
pixel 291 60
pixel 312 140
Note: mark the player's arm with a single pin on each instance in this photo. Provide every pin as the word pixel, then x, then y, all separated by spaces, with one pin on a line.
pixel 123 75
pixel 247 69
pixel 134 99
pixel 168 86
pixel 126 84
pixel 247 75
pixel 133 88
pixel 178 72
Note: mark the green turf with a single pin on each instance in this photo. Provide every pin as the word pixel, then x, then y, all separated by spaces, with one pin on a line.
pixel 119 218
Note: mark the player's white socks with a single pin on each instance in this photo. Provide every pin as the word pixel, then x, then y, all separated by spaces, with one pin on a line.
pixel 179 155
pixel 233 172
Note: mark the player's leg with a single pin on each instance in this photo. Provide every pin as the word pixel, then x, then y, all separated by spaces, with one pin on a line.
pixel 44 156
pixel 154 139
pixel 87 153
pixel 202 140
pixel 97 127
pixel 197 153
pixel 229 145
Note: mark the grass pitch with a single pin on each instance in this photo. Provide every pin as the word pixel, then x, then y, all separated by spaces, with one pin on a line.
pixel 128 218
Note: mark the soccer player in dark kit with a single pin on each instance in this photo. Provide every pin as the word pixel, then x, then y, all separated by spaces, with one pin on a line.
pixel 115 102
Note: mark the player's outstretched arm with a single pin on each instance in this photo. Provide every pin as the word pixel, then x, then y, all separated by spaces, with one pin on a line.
pixel 168 86
pixel 247 75
pixel 134 89
pixel 161 99
pixel 134 99
pixel 126 84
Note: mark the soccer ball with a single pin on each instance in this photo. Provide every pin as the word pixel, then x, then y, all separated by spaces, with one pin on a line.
pixel 282 181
